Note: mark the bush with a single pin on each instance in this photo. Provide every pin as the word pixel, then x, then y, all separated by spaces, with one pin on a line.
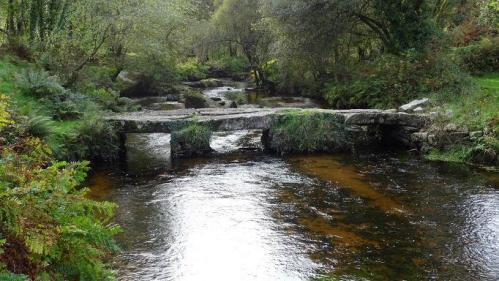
pixel 91 139
pixel 195 100
pixel 194 140
pixel 228 65
pixel 391 81
pixel 38 126
pixel 39 84
pixel 5 116
pixel 480 57
pixel 237 97
pixel 110 100
pixel 49 229
pixel 192 70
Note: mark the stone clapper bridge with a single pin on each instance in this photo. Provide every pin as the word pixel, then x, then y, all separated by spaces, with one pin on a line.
pixel 396 127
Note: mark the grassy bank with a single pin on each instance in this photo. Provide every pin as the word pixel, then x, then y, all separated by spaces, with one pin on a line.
pixel 477 111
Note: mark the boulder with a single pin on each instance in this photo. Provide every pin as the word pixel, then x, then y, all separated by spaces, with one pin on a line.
pixel 482 155
pixel 451 127
pixel 414 104
pixel 195 100
pixel 418 110
pixel 205 83
pixel 476 135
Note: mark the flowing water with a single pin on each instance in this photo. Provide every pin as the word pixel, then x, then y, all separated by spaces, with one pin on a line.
pixel 253 216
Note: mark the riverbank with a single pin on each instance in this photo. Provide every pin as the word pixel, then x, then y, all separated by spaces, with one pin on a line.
pixel 467 131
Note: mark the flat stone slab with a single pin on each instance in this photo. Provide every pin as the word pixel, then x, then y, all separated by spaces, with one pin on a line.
pixel 249 118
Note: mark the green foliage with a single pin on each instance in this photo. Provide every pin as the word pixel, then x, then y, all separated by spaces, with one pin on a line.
pixel 5 116
pixel 52 230
pixel 192 70
pixel 39 126
pixel 455 154
pixel 307 132
pixel 392 80
pixel 39 84
pixel 110 100
pixel 489 13
pixel 489 81
pixel 195 100
pixel 193 140
pixel 8 276
pixel 480 57
pixel 91 138
pixel 228 65
pixel 237 97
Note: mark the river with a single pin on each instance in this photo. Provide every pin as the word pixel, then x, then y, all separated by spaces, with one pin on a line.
pixel 246 215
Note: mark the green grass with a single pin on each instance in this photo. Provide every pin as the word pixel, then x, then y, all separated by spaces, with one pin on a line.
pixel 307 131
pixel 480 107
pixel 488 81
pixel 477 110
pixel 454 155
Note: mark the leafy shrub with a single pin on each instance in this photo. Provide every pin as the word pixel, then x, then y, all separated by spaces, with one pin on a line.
pixel 5 116
pixel 195 100
pixel 391 81
pixel 110 100
pixel 237 97
pixel 194 140
pixel 228 65
pixel 39 84
pixel 49 229
pixel 192 70
pixel 39 126
pixel 97 76
pixel 92 139
pixel 480 57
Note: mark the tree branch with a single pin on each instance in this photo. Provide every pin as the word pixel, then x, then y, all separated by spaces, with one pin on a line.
pixel 96 49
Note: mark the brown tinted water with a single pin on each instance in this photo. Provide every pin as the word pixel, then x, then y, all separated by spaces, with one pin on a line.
pixel 258 217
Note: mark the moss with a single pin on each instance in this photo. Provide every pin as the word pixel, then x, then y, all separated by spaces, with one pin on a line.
pixel 193 140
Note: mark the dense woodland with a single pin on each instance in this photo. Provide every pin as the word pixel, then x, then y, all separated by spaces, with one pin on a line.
pixel 61 68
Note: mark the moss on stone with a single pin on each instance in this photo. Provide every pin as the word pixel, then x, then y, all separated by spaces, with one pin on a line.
pixel 193 140
pixel 308 132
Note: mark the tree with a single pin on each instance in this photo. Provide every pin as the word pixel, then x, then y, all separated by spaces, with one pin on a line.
pixel 239 22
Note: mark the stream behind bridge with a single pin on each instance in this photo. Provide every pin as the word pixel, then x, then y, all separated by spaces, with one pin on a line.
pixel 252 216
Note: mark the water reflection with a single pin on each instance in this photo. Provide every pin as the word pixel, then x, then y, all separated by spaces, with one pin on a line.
pixel 212 223
pixel 147 153
pixel 257 217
